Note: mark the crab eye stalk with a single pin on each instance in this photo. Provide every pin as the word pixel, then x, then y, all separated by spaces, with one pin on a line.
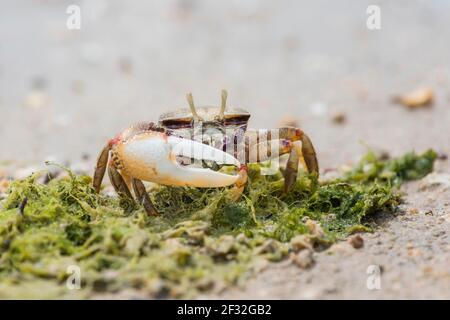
pixel 223 105
pixel 190 101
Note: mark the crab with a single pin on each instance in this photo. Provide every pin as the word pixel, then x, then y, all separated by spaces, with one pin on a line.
pixel 166 153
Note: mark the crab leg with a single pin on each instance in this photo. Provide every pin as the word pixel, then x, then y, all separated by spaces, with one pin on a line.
pixel 143 198
pixel 255 152
pixel 300 149
pixel 118 182
pixel 121 186
pixel 102 163
pixel 309 155
pixel 290 173
pixel 102 159
pixel 240 183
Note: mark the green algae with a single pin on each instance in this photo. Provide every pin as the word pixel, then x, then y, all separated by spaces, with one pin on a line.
pixel 202 241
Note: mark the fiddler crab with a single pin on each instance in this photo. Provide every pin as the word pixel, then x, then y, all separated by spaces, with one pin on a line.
pixel 187 147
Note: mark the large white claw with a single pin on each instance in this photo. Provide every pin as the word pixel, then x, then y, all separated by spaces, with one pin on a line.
pixel 153 157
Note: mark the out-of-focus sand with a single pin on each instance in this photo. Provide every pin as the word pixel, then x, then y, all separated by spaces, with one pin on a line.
pixel 291 58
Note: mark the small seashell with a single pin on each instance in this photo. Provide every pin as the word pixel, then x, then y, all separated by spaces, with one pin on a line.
pixel 422 97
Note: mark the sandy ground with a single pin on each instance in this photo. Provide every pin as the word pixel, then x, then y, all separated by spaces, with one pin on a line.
pixel 410 252
pixel 63 93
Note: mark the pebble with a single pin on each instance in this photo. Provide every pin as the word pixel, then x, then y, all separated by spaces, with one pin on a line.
pixel 312 293
pixel 356 241
pixel 442 156
pixel 383 155
pixel 242 238
pixel 303 259
pixel 421 97
pixel 300 242
pixel 36 99
pixel 435 179
pixel 338 118
pixel 314 228
pixel 4 185
pixel 224 246
pixel 269 246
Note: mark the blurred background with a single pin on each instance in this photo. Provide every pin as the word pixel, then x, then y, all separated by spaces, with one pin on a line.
pixel 64 92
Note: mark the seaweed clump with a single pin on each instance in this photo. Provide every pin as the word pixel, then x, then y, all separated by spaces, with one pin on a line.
pixel 200 242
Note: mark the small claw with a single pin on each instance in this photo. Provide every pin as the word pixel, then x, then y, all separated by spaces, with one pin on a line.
pixel 200 151
pixel 153 157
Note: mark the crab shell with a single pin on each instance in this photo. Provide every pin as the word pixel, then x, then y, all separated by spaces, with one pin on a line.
pixel 209 128
pixel 209 117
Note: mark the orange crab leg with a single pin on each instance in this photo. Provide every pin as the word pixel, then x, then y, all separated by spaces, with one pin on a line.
pixel 240 183
pixel 118 182
pixel 143 197
pixel 300 149
pixel 100 168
